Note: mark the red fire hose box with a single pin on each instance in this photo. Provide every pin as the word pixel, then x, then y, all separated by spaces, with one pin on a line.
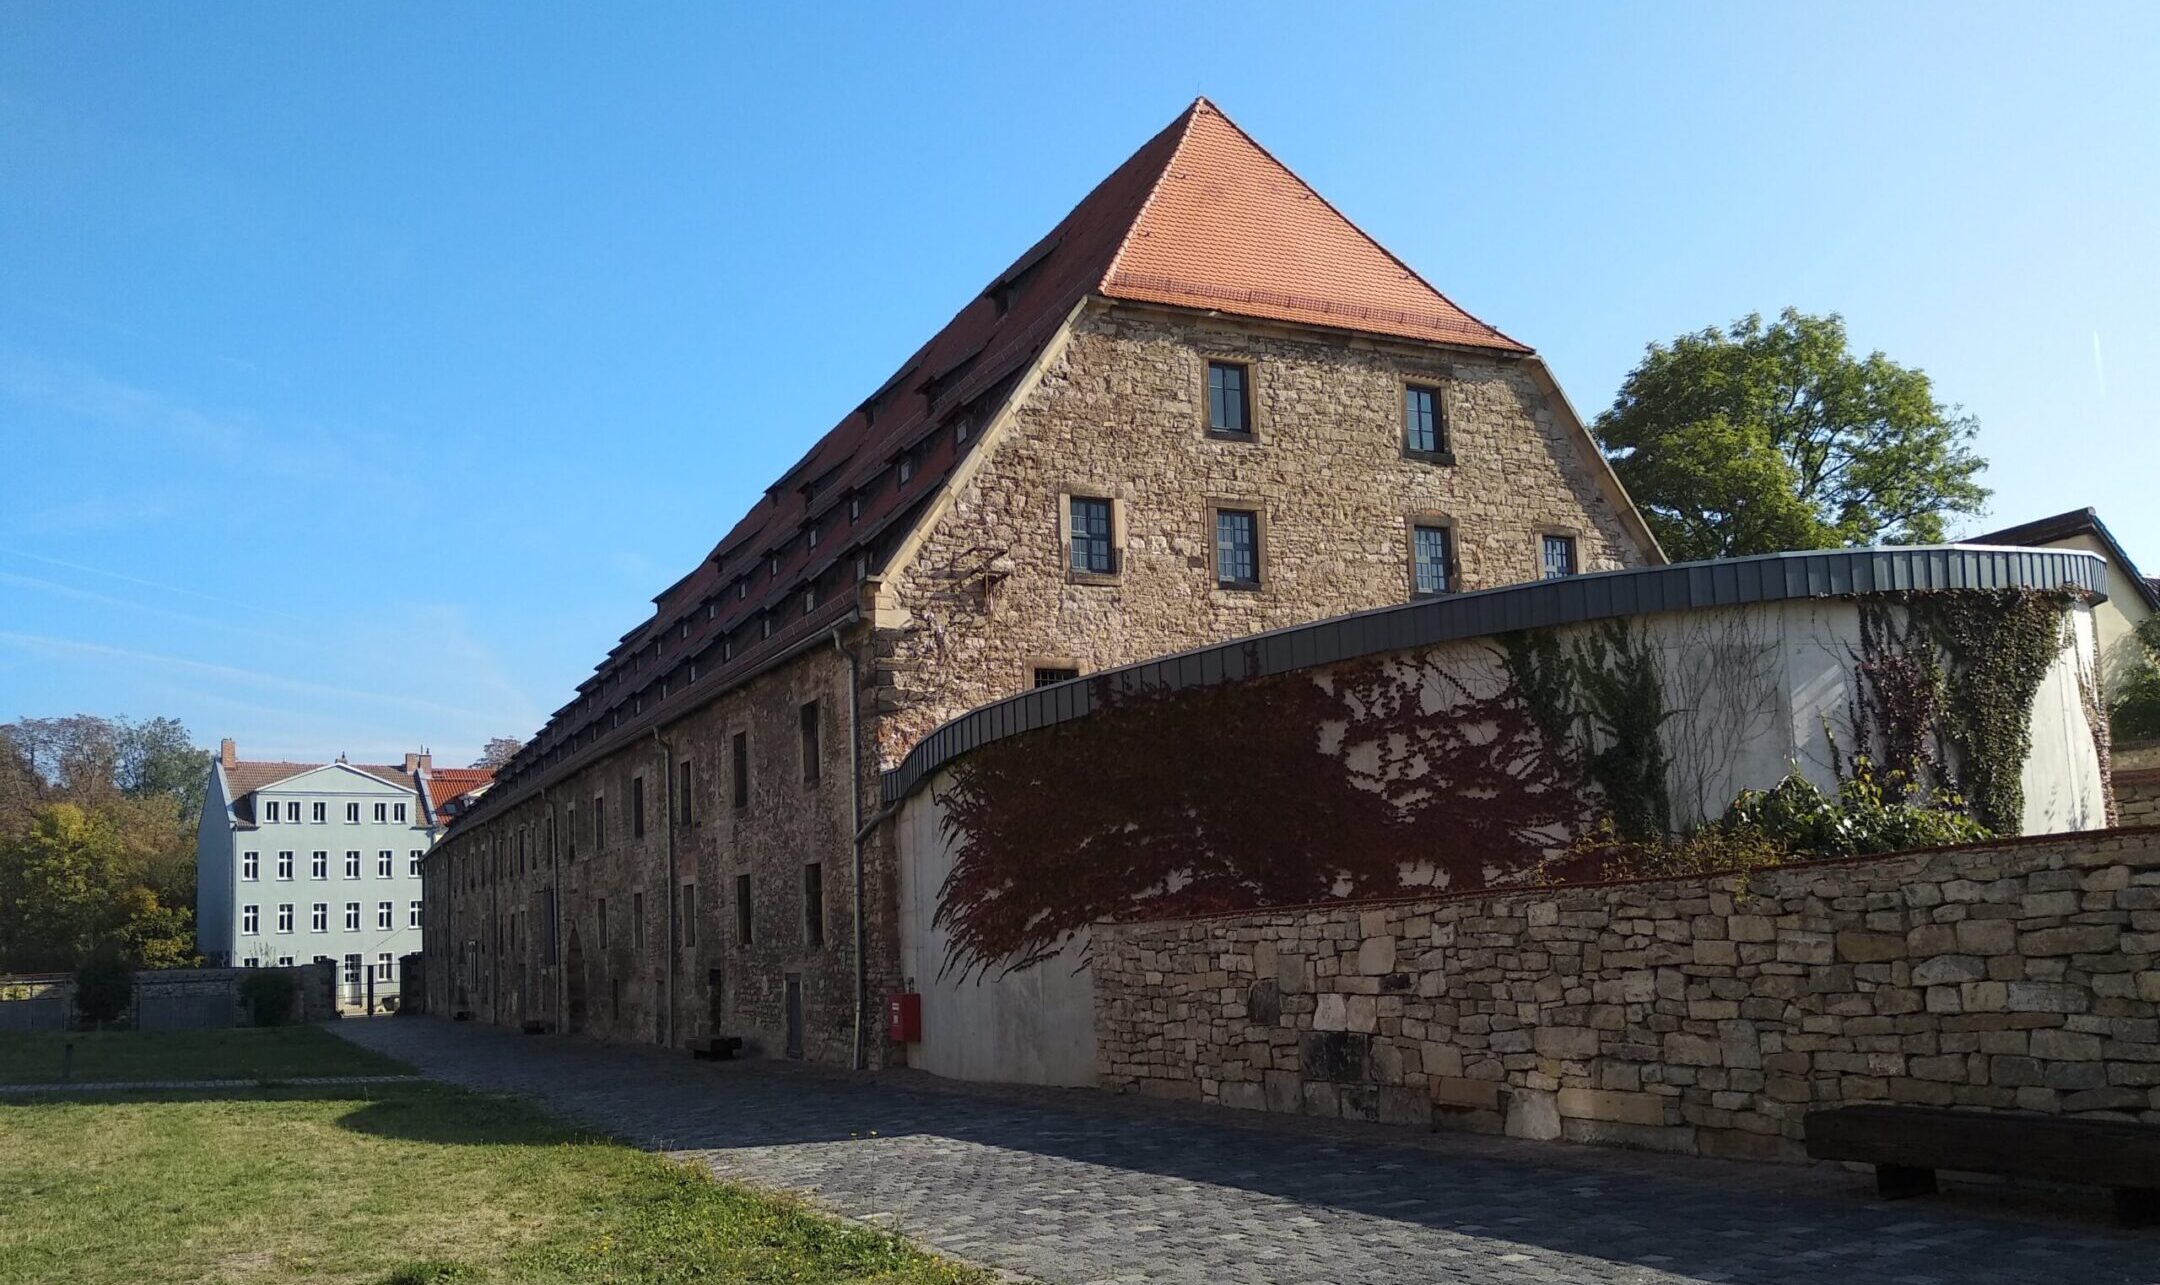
pixel 903 1018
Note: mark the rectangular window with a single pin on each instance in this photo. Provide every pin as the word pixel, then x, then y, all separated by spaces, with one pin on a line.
pixel 382 812
pixel 284 918
pixel 1092 550
pixel 382 967
pixel 322 813
pixel 412 915
pixel 1237 548
pixel 250 865
pixel 385 862
pixel 270 812
pixel 352 863
pixel 385 915
pixel 599 822
pixel 637 807
pixel 1424 423
pixel 1559 556
pixel 1229 399
pixel 398 813
pixel 352 916
pixel 813 904
pixel 292 811
pixel 570 829
pixel 352 970
pixel 810 755
pixel 250 920
pixel 686 908
pixel 319 865
pixel 637 921
pixel 1045 676
pixel 600 911
pixel 742 910
pixel 352 813
pixel 742 769
pixel 284 865
pixel 319 917
pixel 682 788
pixel 412 863
pixel 1433 556
pixel 284 961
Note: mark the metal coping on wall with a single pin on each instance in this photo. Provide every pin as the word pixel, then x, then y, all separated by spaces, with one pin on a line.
pixel 1537 604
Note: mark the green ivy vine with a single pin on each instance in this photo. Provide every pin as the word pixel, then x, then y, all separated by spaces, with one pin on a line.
pixel 1604 689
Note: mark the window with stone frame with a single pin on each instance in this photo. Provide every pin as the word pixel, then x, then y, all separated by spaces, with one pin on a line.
pixel 1433 559
pixel 1237 548
pixel 1229 391
pixel 1425 430
pixel 1558 555
pixel 1094 548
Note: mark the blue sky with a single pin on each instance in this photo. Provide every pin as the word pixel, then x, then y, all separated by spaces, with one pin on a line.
pixel 364 372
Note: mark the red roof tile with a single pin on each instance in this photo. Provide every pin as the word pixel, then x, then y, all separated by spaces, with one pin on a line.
pixel 446 784
pixel 1200 216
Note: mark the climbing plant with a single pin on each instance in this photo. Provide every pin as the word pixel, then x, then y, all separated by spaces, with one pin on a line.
pixel 1602 691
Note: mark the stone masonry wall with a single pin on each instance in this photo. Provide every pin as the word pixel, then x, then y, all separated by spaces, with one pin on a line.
pixel 1121 415
pixel 1704 1015
pixel 2137 783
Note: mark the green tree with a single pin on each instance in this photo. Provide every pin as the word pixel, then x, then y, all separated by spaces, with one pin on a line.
pixel 2135 714
pixel 71 881
pixel 1758 438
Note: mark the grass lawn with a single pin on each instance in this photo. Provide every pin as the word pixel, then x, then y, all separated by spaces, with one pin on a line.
pixel 265 1053
pixel 401 1184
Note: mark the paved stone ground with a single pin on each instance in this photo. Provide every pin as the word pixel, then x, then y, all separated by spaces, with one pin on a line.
pixel 1078 1186
pixel 131 1086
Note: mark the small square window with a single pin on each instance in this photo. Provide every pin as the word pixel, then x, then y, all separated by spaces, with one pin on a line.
pixel 1433 555
pixel 1229 398
pixel 284 961
pixel 1046 676
pixel 1559 556
pixel 1237 548
pixel 1424 421
pixel 1093 550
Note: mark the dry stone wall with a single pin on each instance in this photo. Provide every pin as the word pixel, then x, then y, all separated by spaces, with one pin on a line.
pixel 1704 1015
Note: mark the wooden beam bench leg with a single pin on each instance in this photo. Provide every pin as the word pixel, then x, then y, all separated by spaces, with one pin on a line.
pixel 2137 1207
pixel 1896 1182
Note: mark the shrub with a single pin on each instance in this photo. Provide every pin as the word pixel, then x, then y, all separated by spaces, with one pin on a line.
pixel 269 995
pixel 1795 814
pixel 104 982
pixel 2135 715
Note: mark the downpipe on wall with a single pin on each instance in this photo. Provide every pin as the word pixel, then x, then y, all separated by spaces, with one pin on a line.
pixel 855 785
pixel 674 910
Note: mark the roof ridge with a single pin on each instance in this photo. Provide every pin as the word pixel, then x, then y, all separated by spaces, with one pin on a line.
pixel 1183 123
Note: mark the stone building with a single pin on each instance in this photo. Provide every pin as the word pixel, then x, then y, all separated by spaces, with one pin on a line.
pixel 1204 405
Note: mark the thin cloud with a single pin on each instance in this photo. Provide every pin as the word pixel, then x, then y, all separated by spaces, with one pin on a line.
pixel 83 393
pixel 49 646
pixel 57 589
pixel 152 584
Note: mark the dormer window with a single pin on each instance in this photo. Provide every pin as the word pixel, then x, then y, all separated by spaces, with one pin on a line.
pixel 854 508
pixel 811 538
pixel 809 599
pixel 963 430
pixel 906 469
pixel 862 566
pixel 742 589
pixel 772 567
pixel 727 648
pixel 766 625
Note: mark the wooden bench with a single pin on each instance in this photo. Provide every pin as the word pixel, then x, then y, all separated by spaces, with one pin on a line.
pixel 717 1048
pixel 1908 1144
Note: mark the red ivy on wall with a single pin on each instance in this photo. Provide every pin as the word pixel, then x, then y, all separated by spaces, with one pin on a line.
pixel 1275 791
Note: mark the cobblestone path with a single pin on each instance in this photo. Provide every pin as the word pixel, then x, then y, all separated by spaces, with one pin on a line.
pixel 1077 1186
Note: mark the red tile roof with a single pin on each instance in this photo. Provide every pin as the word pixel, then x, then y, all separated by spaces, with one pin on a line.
pixel 449 783
pixel 249 775
pixel 1199 217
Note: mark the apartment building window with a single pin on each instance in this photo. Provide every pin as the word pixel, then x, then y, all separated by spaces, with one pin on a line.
pixel 599 821
pixel 318 865
pixel 319 917
pixel 1432 554
pixel 742 910
pixel 637 922
pixel 250 865
pixel 270 812
pixel 284 961
pixel 322 813
pixel 352 916
pixel 385 862
pixel 385 915
pixel 292 811
pixel 1424 421
pixel 284 917
pixel 352 813
pixel 686 911
pixel 637 807
pixel 810 754
pixel 412 863
pixel 741 752
pixel 1237 548
pixel 382 812
pixel 382 967
pixel 600 911
pixel 1559 555
pixel 248 963
pixel 250 920
pixel 813 903
pixel 397 813
pixel 284 865
pixel 412 915
pixel 1046 675
pixel 1093 549
pixel 352 863
pixel 1229 392
pixel 682 787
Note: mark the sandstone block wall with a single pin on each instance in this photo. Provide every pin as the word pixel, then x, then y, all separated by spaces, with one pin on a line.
pixel 2137 783
pixel 1702 1015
